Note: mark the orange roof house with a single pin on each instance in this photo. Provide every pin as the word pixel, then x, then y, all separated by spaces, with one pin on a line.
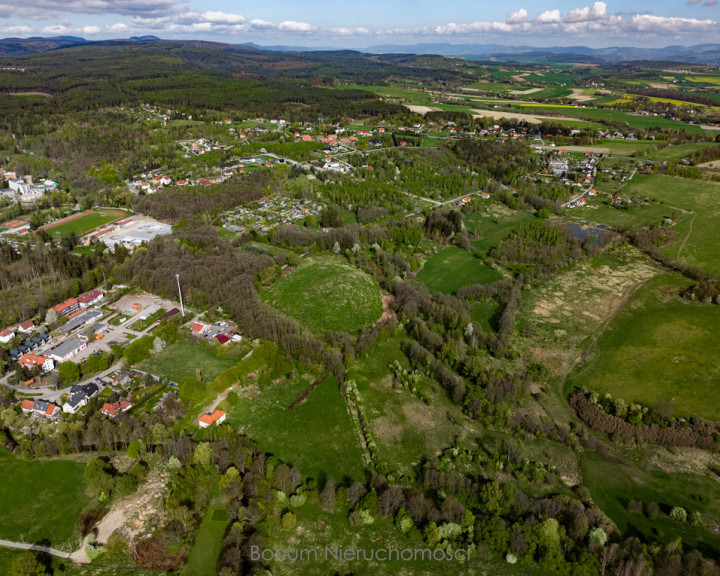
pixel 206 420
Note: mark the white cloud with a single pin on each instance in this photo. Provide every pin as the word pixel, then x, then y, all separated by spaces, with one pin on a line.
pixel 359 31
pixel 549 17
pixel 44 9
pixel 302 27
pixel 223 18
pixel 518 17
pixel 165 18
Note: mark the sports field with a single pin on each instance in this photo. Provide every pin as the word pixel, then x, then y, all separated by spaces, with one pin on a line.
pixel 84 222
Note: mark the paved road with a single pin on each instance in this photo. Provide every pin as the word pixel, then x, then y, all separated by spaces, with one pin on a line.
pixel 35 548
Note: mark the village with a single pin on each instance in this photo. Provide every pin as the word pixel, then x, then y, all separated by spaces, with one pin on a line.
pixel 89 333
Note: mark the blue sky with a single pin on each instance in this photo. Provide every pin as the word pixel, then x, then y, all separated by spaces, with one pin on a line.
pixel 358 24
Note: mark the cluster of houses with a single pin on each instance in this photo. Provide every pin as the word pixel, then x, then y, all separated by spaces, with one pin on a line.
pixel 222 331
pixel 41 408
pixel 270 212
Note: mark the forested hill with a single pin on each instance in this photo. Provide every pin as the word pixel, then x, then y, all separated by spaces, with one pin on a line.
pixel 218 76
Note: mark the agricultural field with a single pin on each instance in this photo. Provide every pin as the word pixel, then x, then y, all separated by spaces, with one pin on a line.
pixel 327 293
pixel 41 500
pixel 492 227
pixel 452 268
pixel 83 223
pixel 614 483
pixel 315 445
pixel 184 359
pixel 648 351
pixel 697 234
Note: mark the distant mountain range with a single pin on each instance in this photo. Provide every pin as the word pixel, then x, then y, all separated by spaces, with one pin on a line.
pixel 699 54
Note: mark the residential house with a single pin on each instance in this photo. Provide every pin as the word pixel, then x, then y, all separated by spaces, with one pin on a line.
pixel 6 335
pixel 206 420
pixel 79 396
pixel 45 362
pixel 112 410
pixel 27 327
pixel 199 328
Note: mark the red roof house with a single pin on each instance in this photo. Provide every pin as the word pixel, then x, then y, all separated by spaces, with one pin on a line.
pixel 216 417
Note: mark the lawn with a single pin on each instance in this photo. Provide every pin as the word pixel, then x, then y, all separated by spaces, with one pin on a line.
pixel 614 483
pixel 203 557
pixel 84 223
pixel 41 500
pixel 698 235
pixel 659 349
pixel 491 228
pixel 184 359
pixel 327 293
pixel 317 437
pixel 452 268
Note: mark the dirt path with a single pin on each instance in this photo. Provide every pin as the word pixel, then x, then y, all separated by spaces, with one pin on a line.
pixel 682 246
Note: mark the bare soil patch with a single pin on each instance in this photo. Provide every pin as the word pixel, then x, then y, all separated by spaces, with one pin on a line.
pixel 419 109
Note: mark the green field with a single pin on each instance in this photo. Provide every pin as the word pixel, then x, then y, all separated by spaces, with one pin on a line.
pixel 394 92
pixel 491 228
pixel 204 555
pixel 86 222
pixel 614 483
pixel 41 500
pixel 602 114
pixel 698 235
pixel 649 351
pixel 404 428
pixel 677 152
pixel 317 437
pixel 452 268
pixel 327 293
pixel 183 359
pixel 624 218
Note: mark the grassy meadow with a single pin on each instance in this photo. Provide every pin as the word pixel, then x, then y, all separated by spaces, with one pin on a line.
pixel 41 500
pixel 326 293
pixel 698 235
pixel 317 437
pixel 452 268
pixel 659 349
pixel 183 359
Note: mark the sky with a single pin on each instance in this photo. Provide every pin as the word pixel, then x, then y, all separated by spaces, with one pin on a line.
pixel 362 24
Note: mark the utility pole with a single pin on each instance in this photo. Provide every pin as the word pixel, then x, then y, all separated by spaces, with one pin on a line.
pixel 182 308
